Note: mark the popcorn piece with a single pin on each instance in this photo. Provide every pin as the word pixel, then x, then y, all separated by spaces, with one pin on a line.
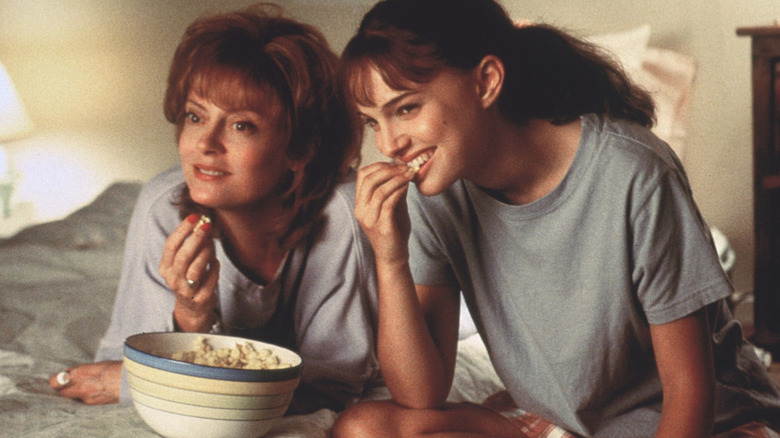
pixel 203 220
pixel 242 356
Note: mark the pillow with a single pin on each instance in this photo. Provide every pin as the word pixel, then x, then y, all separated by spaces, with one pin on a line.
pixel 627 47
pixel 668 76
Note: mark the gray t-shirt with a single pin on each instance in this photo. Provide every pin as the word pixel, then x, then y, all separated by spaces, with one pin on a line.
pixel 562 289
pixel 324 292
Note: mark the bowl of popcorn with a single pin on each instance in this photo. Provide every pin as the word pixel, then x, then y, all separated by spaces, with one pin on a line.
pixel 207 385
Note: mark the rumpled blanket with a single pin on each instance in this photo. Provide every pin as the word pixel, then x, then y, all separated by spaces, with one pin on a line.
pixel 57 287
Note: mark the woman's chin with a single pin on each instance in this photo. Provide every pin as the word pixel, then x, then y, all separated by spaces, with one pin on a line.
pixel 208 201
pixel 426 188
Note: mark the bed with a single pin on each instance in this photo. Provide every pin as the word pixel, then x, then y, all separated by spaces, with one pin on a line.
pixel 58 280
pixel 57 285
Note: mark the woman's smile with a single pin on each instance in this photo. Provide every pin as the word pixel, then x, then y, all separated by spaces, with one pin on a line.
pixel 208 173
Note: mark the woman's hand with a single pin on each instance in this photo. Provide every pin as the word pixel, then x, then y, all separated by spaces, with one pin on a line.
pixel 380 208
pixel 93 383
pixel 190 268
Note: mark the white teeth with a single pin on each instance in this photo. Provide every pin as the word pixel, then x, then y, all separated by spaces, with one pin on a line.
pixel 211 172
pixel 419 161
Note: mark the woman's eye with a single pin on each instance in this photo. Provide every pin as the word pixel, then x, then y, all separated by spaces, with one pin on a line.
pixel 191 117
pixel 243 126
pixel 407 109
pixel 371 123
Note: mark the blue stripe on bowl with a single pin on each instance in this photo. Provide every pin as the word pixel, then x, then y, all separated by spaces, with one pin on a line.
pixel 134 353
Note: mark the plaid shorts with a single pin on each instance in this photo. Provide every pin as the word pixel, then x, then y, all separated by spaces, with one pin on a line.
pixel 533 426
pixel 528 425
pixel 750 430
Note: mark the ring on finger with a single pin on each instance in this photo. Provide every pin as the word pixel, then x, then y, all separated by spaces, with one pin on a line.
pixel 63 378
pixel 192 283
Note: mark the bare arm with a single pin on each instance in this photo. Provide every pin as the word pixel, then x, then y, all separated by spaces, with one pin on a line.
pixel 417 334
pixel 417 340
pixel 683 354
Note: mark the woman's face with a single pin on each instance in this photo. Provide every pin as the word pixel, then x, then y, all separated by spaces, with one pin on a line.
pixel 233 158
pixel 435 124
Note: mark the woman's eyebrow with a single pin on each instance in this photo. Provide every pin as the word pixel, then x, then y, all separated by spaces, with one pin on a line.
pixel 194 103
pixel 394 101
pixel 390 103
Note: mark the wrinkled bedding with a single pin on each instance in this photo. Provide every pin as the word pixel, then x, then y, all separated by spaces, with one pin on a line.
pixel 57 285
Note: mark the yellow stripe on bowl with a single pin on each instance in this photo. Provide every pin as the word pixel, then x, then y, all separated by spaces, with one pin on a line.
pixel 206 412
pixel 199 398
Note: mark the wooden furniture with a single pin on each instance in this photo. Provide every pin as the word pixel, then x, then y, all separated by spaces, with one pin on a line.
pixel 765 52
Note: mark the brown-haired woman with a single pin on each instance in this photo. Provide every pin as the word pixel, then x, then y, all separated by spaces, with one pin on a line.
pixel 267 140
pixel 541 194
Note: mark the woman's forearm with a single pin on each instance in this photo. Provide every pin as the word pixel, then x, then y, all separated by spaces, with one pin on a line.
pixel 411 363
pixel 687 414
pixel 685 365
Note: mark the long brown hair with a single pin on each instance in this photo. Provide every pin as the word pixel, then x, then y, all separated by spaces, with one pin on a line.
pixel 258 47
pixel 549 73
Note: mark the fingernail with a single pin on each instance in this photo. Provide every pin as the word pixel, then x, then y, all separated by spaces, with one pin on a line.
pixel 192 218
pixel 205 227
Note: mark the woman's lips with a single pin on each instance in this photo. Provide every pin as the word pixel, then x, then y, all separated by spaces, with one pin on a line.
pixel 208 172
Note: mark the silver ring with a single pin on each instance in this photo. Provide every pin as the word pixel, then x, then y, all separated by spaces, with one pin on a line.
pixel 63 378
pixel 192 283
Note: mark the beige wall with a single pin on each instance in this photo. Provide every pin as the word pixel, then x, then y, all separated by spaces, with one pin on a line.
pixel 92 73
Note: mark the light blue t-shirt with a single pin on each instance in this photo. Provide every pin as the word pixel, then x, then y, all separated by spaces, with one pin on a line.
pixel 562 289
pixel 333 282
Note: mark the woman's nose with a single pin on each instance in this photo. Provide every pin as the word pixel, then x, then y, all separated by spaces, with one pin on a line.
pixel 391 143
pixel 210 139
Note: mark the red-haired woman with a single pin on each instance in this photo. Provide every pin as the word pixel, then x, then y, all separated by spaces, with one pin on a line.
pixel 267 141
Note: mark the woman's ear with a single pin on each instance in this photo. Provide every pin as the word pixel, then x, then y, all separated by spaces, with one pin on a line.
pixel 490 79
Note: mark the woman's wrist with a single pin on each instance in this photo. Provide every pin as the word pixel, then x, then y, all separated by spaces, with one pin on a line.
pixel 393 268
pixel 200 324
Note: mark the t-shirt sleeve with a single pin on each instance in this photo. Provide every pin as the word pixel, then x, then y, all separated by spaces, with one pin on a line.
pixel 429 262
pixel 676 267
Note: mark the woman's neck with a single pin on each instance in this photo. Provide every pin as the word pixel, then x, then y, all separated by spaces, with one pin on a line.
pixel 529 160
pixel 252 241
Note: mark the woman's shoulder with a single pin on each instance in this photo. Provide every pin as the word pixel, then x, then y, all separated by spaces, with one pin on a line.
pixel 158 196
pixel 338 213
pixel 344 193
pixel 629 148
pixel 164 183
pixel 339 234
pixel 629 137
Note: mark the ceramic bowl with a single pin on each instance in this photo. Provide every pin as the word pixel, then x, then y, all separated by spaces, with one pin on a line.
pixel 182 399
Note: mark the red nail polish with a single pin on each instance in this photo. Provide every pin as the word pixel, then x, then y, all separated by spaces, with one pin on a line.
pixel 206 227
pixel 192 218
